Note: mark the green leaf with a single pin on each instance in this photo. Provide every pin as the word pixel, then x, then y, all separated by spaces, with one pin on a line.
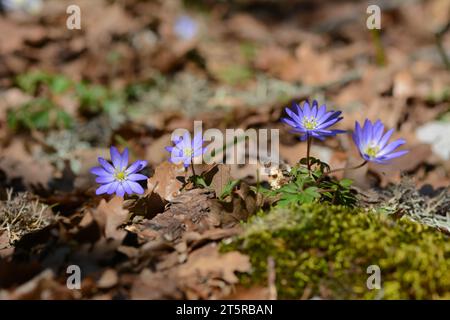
pixel 64 120
pixel 59 84
pixel 198 181
pixel 29 82
pixel 346 183
pixel 228 189
pixel 40 120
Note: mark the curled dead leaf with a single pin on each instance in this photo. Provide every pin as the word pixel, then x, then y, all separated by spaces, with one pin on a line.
pixel 166 180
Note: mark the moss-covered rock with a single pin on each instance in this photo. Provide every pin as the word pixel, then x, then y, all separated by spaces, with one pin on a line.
pixel 326 251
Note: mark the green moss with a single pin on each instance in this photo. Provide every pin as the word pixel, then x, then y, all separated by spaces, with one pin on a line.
pixel 327 249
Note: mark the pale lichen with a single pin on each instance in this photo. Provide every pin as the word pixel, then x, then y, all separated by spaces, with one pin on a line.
pixel 21 214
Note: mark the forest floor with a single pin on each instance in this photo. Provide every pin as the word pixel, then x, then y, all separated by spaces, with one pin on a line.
pixel 130 77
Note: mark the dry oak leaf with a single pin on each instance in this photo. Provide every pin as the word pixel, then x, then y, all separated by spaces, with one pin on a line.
pixel 155 285
pixel 18 162
pixel 111 215
pixel 220 179
pixel 316 67
pixel 166 180
pixel 279 62
pixel 207 262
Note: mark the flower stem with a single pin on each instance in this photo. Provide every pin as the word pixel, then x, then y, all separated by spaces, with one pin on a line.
pixel 351 168
pixel 308 149
pixel 340 169
pixel 192 166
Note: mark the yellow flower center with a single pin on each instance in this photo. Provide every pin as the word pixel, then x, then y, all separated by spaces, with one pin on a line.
pixel 188 152
pixel 372 151
pixel 120 175
pixel 310 123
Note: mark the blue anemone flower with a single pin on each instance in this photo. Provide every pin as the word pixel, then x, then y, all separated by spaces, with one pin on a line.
pixel 118 177
pixel 185 149
pixel 373 145
pixel 312 121
pixel 185 27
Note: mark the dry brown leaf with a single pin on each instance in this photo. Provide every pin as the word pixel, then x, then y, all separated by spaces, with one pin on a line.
pixel 14 35
pixel 114 21
pixel 192 210
pixel 246 27
pixel 111 215
pixel 207 262
pixel 166 180
pixel 147 206
pixel 108 279
pixel 210 235
pixel 279 62
pixel 316 67
pixel 221 179
pixel 155 285
pixel 252 293
pixel 155 152
pixel 17 162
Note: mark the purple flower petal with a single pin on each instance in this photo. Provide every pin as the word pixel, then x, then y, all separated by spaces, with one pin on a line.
pixel 329 123
pixel 99 171
pixel 289 122
pixel 113 187
pixel 292 114
pixel 321 112
pixel 391 147
pixel 198 139
pixel 126 187
pixel 306 109
pixel 385 138
pixel 135 187
pixel 187 139
pixel 395 154
pixel 105 179
pixel 106 165
pixel 124 159
pixel 314 109
pixel 299 110
pixel 177 139
pixel 136 177
pixel 116 158
pixel 325 116
pixel 367 132
pixel 102 189
pixel 136 166
pixel 378 128
pixel 120 190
